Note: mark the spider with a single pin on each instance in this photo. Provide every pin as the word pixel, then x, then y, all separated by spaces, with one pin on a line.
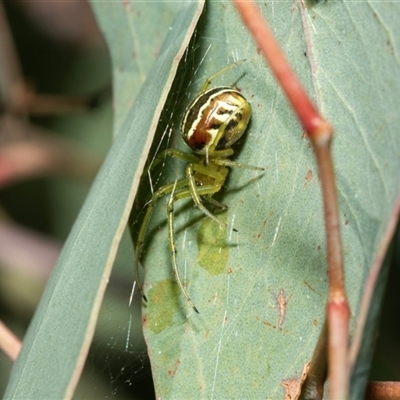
pixel 212 123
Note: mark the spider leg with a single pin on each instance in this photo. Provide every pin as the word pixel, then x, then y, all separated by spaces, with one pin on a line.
pixel 222 128
pixel 172 245
pixel 211 200
pixel 222 153
pixel 190 158
pixel 162 191
pixel 176 195
pixel 195 192
pixel 184 193
pixel 210 79
pixel 219 175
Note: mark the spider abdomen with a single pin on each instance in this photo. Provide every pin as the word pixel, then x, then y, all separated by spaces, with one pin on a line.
pixel 215 120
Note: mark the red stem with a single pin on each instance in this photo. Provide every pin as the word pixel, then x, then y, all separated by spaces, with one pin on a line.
pixel 320 133
pixel 307 114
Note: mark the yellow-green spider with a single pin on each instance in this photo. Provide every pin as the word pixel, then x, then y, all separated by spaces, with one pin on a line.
pixel 214 121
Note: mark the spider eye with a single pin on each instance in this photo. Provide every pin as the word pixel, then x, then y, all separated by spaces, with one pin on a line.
pixel 216 119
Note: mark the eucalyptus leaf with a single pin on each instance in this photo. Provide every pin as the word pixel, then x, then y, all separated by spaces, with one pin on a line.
pixel 261 291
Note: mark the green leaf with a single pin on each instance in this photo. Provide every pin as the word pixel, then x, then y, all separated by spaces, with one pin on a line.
pixel 261 292
pixel 59 336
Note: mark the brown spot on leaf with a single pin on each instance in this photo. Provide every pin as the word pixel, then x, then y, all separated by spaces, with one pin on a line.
pixel 172 371
pixel 309 177
pixel 292 386
pixel 266 323
pixel 258 235
pixel 282 305
pixel 311 288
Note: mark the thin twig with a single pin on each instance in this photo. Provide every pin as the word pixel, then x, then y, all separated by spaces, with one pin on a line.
pixel 9 343
pixel 42 155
